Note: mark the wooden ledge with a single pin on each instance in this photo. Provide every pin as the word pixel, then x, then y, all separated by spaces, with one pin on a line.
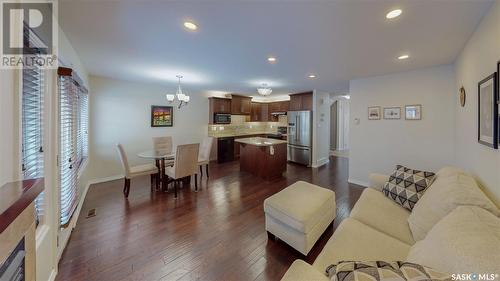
pixel 15 197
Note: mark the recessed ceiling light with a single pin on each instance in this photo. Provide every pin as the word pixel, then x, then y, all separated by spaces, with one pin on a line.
pixel 394 14
pixel 271 59
pixel 403 57
pixel 312 76
pixel 190 25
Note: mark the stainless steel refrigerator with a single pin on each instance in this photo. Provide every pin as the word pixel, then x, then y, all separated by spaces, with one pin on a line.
pixel 300 137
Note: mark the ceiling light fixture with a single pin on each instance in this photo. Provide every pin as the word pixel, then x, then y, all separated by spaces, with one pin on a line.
pixel 403 57
pixel 394 14
pixel 312 76
pixel 271 59
pixel 183 98
pixel 190 25
pixel 264 90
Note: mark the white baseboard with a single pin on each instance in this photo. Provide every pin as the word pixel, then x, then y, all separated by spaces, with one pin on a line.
pixel 358 182
pixel 106 179
pixel 321 162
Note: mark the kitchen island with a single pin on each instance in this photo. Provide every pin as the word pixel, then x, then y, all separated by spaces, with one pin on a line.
pixel 263 157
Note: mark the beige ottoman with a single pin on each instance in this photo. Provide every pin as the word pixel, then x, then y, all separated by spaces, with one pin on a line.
pixel 299 214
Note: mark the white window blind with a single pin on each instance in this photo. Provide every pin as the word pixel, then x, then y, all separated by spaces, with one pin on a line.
pixel 32 163
pixel 73 143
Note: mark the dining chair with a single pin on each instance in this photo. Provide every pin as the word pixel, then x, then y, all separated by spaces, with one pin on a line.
pixel 164 145
pixel 204 156
pixel 185 164
pixel 135 171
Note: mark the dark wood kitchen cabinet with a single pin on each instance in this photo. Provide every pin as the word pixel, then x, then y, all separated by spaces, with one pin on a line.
pixel 218 105
pixel 301 101
pixel 241 105
pixel 264 112
pixel 256 112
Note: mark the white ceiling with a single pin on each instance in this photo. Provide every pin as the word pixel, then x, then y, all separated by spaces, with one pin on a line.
pixel 336 40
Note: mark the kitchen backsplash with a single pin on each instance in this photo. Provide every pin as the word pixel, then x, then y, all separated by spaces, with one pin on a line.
pixel 240 126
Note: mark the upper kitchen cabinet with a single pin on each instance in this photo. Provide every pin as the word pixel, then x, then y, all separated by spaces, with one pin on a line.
pixel 264 112
pixel 284 106
pixel 241 105
pixel 218 105
pixel 301 101
pixel 256 112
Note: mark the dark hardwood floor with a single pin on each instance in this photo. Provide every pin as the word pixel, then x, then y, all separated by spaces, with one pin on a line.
pixel 215 234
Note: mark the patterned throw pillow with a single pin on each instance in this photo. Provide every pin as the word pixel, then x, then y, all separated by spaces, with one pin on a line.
pixel 383 271
pixel 406 186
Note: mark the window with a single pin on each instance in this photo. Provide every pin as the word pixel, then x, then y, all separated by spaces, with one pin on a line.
pixel 32 162
pixel 73 138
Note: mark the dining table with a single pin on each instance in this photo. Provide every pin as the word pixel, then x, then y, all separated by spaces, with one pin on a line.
pixel 162 160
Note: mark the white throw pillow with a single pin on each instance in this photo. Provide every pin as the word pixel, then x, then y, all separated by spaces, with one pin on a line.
pixel 449 171
pixel 465 241
pixel 445 194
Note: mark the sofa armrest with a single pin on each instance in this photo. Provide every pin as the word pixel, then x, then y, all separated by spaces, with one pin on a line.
pixel 377 181
pixel 302 271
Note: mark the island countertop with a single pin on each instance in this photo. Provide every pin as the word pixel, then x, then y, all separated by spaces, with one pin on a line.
pixel 258 141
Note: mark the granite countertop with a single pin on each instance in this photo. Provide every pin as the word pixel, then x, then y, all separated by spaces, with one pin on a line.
pixel 260 141
pixel 226 135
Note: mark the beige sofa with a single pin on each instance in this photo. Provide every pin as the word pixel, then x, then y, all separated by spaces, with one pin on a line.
pixel 378 228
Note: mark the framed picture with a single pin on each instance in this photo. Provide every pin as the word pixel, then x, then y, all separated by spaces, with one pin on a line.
pixel 498 101
pixel 487 127
pixel 392 112
pixel 374 113
pixel 413 112
pixel 162 116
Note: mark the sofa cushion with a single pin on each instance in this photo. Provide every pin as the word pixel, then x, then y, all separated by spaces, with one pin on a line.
pixel 301 205
pixel 353 240
pixel 300 271
pixel 384 271
pixel 383 214
pixel 406 186
pixel 465 241
pixel 443 196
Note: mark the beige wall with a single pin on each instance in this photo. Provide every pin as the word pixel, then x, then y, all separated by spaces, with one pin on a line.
pixel 120 112
pixel 378 145
pixel 477 60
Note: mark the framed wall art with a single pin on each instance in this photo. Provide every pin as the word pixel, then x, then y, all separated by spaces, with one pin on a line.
pixel 487 127
pixel 413 112
pixel 162 116
pixel 374 113
pixel 392 112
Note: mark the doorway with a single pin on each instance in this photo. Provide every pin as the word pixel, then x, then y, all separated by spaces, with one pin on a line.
pixel 339 126
pixel 333 126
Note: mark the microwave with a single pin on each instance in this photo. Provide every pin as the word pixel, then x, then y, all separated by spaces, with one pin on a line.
pixel 222 118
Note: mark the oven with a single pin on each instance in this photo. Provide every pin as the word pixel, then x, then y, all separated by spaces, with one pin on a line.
pixel 222 118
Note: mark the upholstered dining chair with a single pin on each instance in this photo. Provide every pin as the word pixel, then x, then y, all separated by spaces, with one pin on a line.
pixel 185 164
pixel 204 155
pixel 163 144
pixel 134 171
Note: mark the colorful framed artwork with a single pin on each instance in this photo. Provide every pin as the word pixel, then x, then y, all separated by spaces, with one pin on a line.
pixel 413 112
pixel 162 116
pixel 374 113
pixel 392 112
pixel 487 127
